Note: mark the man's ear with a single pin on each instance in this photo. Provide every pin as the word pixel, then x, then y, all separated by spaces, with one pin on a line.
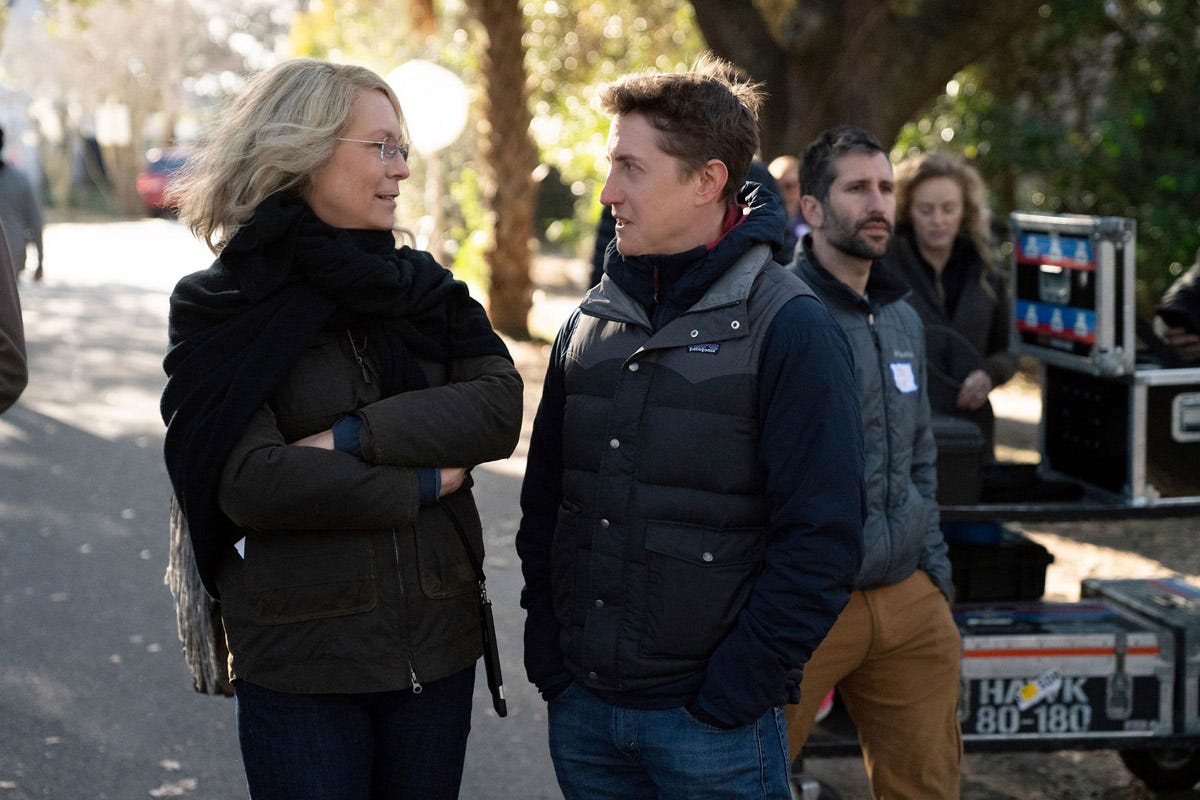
pixel 813 211
pixel 713 177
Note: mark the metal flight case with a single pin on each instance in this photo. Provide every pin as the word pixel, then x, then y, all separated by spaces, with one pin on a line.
pixel 1118 424
pixel 1175 604
pixel 1073 291
pixel 1135 437
pixel 1173 762
pixel 1077 673
pixel 1050 675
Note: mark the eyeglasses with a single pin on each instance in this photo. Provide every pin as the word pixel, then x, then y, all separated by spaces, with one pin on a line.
pixel 389 148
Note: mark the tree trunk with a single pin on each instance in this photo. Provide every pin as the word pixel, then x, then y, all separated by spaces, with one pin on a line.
pixel 509 156
pixel 872 63
pixel 423 17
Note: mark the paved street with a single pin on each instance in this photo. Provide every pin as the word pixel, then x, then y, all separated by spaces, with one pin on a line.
pixel 95 700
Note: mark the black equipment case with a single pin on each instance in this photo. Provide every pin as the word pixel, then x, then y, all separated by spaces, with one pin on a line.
pixel 1135 436
pixel 1013 567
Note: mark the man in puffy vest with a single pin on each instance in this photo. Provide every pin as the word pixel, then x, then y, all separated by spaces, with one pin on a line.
pixel 692 506
pixel 895 651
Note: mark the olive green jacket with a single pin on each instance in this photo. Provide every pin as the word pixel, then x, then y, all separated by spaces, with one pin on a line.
pixel 345 582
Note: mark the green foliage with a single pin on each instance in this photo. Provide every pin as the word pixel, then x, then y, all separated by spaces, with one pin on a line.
pixel 568 234
pixel 470 230
pixel 376 35
pixel 574 48
pixel 1096 112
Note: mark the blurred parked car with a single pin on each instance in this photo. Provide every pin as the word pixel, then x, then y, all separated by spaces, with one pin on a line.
pixel 162 165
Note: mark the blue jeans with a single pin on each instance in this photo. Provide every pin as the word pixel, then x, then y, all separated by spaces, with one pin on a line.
pixel 605 751
pixel 355 746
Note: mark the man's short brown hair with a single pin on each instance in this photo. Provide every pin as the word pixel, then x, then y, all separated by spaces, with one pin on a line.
pixel 710 111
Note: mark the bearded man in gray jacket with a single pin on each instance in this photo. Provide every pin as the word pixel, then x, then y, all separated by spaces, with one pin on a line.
pixel 894 652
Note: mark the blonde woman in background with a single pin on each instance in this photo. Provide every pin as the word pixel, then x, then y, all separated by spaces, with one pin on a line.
pixel 943 249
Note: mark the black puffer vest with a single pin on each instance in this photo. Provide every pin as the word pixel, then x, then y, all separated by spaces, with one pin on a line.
pixel 663 523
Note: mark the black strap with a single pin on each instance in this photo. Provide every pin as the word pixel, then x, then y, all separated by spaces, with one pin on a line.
pixel 491 651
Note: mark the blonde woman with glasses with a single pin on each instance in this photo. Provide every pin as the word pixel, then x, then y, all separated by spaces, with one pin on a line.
pixel 327 396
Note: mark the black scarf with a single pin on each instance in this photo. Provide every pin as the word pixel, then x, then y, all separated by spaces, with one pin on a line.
pixel 237 328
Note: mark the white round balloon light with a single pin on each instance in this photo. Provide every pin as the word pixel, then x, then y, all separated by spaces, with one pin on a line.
pixel 434 101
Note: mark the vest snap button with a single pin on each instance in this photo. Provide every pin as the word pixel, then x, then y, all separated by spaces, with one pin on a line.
pixel 603 523
pixel 614 443
pixel 707 557
pixel 599 604
pixel 735 324
pixel 695 334
pixel 633 367
pixel 592 676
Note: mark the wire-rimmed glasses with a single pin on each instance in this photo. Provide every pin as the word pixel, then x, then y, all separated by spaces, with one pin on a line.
pixel 389 148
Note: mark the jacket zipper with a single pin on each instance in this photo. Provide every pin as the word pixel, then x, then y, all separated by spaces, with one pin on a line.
pixel 362 364
pixel 887 440
pixel 360 357
pixel 412 672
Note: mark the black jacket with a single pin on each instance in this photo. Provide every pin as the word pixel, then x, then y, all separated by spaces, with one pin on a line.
pixel 346 583
pixel 974 333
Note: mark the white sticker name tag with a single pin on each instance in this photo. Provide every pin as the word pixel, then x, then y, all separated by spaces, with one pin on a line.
pixel 903 376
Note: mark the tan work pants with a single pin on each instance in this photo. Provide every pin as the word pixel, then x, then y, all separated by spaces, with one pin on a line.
pixel 894 654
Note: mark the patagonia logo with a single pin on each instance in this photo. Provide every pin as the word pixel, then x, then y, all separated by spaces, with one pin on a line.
pixel 704 348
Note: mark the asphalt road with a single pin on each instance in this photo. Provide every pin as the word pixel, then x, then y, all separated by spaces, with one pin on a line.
pixel 95 700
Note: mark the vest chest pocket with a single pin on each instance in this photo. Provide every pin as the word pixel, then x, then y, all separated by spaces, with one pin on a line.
pixel 564 560
pixel 697 580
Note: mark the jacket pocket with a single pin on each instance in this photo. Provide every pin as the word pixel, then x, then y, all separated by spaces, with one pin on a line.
pixel 443 567
pixel 697 581
pixel 918 518
pixel 298 576
pixel 564 561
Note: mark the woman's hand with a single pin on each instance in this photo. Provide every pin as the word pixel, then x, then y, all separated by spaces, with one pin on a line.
pixel 452 480
pixel 452 477
pixel 974 390
pixel 322 440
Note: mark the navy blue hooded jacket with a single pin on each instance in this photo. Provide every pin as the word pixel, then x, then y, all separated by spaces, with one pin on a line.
pixel 807 459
